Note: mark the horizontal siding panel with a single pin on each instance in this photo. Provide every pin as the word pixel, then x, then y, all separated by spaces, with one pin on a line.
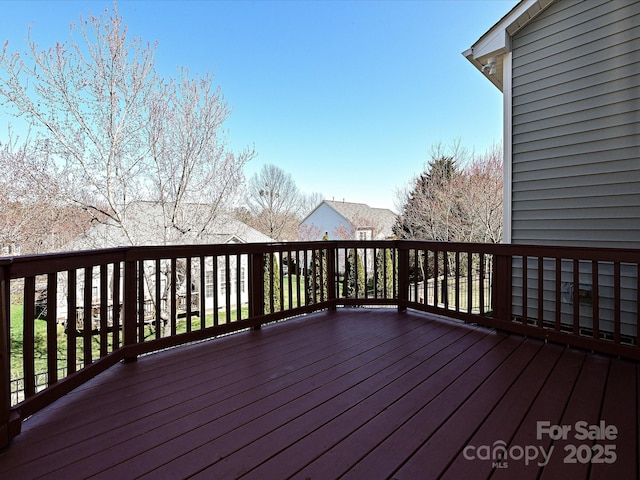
pixel 550 164
pixel 551 168
pixel 587 225
pixel 546 205
pixel 587 147
pixel 618 113
pixel 557 19
pixel 573 136
pixel 572 89
pixel 585 238
pixel 616 212
pixel 590 195
pixel 621 90
pixel 561 29
pixel 600 55
pixel 612 180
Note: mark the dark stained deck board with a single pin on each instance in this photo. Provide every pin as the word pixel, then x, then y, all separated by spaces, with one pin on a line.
pixel 549 405
pixel 283 455
pixel 620 408
pixel 406 418
pixel 497 405
pixel 189 415
pixel 504 420
pixel 456 409
pixel 244 424
pixel 584 405
pixel 355 393
pixel 118 410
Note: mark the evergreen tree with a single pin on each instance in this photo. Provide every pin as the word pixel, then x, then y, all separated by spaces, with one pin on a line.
pixel 271 297
pixel 316 278
pixel 430 211
pixel 354 286
pixel 384 273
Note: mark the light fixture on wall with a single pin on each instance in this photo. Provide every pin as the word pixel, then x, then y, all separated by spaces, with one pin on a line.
pixel 490 67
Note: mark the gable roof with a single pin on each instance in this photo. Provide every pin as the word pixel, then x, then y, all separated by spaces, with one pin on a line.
pixel 146 226
pixel 361 215
pixel 486 54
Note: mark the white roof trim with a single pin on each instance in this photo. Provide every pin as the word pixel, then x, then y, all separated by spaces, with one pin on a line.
pixel 487 52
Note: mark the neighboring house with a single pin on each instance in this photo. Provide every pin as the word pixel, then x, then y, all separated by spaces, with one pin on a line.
pixel 570 74
pixel 146 226
pixel 347 221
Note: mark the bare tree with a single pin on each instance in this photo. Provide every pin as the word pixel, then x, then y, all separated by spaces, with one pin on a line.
pixel 311 201
pixel 29 222
pixel 481 203
pixel 276 203
pixel 452 203
pixel 309 233
pixel 109 131
pixel 195 176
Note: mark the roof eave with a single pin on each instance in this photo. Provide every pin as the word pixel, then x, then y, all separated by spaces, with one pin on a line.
pixel 487 52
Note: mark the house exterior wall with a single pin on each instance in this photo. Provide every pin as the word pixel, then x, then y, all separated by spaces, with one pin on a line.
pixel 326 219
pixel 576 126
pixel 575 93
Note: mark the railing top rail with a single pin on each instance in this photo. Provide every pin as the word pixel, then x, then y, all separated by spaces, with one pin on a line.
pixel 29 265
pixel 552 251
pixel 41 264
pixel 579 253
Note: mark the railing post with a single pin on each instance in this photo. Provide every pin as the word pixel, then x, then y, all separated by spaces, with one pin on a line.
pixel 256 285
pixel 5 373
pixel 331 275
pixel 501 288
pixel 130 308
pixel 403 277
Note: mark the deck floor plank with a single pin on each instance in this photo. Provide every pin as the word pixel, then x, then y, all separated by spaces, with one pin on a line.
pixel 549 405
pixel 414 415
pixel 186 452
pixel 620 410
pixel 490 406
pixel 466 410
pixel 502 423
pixel 584 405
pixel 352 393
pixel 133 407
pixel 187 419
pixel 280 454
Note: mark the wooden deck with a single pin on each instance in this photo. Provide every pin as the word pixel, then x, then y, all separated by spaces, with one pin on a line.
pixel 355 393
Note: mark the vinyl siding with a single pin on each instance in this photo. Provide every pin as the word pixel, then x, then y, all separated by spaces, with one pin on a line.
pixel 576 126
pixel 605 289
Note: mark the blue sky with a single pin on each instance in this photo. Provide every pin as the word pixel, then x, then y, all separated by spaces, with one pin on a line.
pixel 346 96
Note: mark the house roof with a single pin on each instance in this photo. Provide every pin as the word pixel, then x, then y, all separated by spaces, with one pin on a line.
pixel 487 53
pixel 146 226
pixel 361 215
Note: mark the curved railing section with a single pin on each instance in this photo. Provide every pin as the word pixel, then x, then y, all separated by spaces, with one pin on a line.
pixel 66 317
